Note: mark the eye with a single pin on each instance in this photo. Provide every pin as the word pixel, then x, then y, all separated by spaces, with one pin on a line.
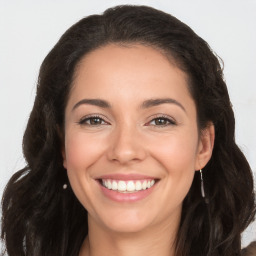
pixel 161 121
pixel 92 121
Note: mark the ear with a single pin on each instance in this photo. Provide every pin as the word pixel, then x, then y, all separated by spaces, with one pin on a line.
pixel 205 146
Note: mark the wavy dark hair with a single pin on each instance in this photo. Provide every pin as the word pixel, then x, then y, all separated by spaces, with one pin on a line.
pixel 40 218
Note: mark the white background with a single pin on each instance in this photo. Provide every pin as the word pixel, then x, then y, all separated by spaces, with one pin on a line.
pixel 29 29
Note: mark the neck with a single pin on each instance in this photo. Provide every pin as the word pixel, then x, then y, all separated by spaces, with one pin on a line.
pixel 159 240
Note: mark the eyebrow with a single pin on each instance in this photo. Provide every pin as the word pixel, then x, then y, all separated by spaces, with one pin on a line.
pixel 156 102
pixel 146 104
pixel 95 102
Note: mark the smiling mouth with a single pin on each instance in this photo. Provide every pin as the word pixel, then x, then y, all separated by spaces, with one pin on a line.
pixel 128 186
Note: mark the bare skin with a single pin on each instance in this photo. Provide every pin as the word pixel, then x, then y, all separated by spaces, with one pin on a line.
pixel 137 244
pixel 143 122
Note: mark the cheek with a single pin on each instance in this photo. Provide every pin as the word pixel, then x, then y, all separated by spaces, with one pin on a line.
pixel 177 156
pixel 177 152
pixel 174 155
pixel 81 150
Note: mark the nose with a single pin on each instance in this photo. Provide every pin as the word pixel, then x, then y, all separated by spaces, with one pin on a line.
pixel 126 145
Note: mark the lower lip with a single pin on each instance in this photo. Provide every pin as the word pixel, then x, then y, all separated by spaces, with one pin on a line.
pixel 127 197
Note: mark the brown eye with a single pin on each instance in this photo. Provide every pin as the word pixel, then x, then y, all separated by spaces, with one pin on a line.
pixel 93 121
pixel 161 121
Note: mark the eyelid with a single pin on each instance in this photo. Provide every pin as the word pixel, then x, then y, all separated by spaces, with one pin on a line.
pixel 82 121
pixel 170 119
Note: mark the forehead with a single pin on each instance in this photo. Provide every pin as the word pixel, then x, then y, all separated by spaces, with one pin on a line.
pixel 121 56
pixel 126 71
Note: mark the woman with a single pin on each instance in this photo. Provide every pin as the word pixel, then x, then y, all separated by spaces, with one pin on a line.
pixel 130 146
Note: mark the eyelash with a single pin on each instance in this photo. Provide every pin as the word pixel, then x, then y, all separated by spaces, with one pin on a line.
pixel 165 118
pixel 99 118
pixel 90 118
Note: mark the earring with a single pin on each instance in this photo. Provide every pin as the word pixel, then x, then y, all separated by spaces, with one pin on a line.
pixel 202 184
pixel 65 186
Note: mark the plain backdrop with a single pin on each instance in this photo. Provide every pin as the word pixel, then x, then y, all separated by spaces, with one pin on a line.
pixel 29 29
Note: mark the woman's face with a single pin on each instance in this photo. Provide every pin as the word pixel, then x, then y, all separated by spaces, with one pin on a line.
pixel 131 138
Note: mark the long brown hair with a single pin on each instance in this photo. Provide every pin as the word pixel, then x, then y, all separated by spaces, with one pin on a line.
pixel 39 218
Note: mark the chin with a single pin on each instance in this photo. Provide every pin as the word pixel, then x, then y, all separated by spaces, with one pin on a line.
pixel 127 226
pixel 126 221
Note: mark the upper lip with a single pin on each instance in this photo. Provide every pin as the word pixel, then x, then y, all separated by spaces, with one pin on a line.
pixel 121 176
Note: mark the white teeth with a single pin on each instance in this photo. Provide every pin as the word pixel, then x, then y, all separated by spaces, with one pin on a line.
pixel 144 184
pixel 109 184
pixel 152 183
pixel 138 185
pixel 121 186
pixel 128 186
pixel 114 185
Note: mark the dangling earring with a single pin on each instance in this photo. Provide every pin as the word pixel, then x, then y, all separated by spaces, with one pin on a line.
pixel 202 184
pixel 65 186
